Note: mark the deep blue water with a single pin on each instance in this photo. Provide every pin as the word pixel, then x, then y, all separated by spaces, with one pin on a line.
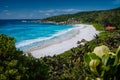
pixel 30 34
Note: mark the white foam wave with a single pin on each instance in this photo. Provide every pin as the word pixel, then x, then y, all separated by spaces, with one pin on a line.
pixel 87 33
pixel 32 41
pixel 28 42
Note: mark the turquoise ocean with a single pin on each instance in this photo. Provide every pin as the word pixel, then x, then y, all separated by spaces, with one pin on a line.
pixel 30 34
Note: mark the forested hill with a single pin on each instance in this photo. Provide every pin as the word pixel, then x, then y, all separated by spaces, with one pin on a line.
pixel 95 60
pixel 105 17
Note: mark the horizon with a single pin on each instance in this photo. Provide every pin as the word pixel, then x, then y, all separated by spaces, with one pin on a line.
pixel 54 15
pixel 38 9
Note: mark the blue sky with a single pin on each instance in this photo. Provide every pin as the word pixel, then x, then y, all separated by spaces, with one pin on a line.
pixel 36 9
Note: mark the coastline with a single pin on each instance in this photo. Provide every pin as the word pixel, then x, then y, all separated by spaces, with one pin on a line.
pixel 86 32
pixel 52 43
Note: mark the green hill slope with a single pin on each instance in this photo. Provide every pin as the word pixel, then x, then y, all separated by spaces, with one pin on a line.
pixel 79 63
pixel 105 17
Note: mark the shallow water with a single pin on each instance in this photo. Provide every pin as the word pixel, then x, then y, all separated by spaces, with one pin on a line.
pixel 29 35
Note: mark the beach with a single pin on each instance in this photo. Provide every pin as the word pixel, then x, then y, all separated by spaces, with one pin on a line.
pixel 86 32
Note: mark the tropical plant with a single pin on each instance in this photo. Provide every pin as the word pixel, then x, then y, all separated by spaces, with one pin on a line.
pixel 103 63
pixel 14 65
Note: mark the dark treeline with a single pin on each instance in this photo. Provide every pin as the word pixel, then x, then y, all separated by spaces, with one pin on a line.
pixel 105 17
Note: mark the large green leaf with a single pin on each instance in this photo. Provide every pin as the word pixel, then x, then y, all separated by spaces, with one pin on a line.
pixel 93 56
pixel 117 56
pixel 87 59
pixel 90 56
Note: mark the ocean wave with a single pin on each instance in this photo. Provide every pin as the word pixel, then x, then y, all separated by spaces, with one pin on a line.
pixel 27 44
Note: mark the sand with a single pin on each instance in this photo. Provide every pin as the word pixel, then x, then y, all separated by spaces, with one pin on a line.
pixel 86 32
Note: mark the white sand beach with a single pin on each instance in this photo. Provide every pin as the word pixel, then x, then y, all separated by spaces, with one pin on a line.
pixel 86 32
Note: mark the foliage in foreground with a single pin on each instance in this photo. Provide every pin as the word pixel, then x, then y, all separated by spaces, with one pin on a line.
pixel 14 65
pixel 70 65
pixel 103 64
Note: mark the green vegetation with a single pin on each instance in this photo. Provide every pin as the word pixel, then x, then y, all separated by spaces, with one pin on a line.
pixel 103 63
pixel 14 65
pixel 84 62
pixel 98 26
pixel 103 17
pixel 70 65
pixel 59 18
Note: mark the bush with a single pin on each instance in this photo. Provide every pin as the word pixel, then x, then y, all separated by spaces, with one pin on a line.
pixel 103 63
pixel 14 65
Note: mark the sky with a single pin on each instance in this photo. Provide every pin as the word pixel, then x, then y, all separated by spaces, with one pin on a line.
pixel 37 9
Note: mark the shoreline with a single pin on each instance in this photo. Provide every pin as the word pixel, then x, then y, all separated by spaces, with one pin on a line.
pixel 56 42
pixel 87 32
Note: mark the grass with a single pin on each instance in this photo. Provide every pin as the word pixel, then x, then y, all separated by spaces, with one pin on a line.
pixel 66 54
pixel 98 26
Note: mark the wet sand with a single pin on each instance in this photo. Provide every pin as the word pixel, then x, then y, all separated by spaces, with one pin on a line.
pixel 83 31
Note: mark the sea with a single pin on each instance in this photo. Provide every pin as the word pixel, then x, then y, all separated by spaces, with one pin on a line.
pixel 29 34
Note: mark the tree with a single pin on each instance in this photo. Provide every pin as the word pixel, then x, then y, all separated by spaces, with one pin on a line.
pixel 14 65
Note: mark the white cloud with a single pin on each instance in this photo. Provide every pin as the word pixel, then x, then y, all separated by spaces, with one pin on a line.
pixel 41 11
pixel 53 12
pixel 36 13
pixel 50 11
pixel 8 14
pixel 46 11
pixel 116 2
pixel 58 11
pixel 31 15
pixel 5 10
pixel 47 14
pixel 68 10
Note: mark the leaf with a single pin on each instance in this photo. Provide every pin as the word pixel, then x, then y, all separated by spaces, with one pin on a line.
pixel 93 65
pixel 93 56
pixel 13 63
pixel 110 61
pixel 105 59
pixel 90 56
pixel 117 56
pixel 3 77
pixel 87 59
pixel 1 68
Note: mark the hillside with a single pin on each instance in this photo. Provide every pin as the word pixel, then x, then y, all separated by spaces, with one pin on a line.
pixel 104 17
pixel 80 63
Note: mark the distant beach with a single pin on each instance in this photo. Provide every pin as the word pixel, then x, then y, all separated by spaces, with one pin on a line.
pixel 83 31
pixel 44 39
pixel 29 34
